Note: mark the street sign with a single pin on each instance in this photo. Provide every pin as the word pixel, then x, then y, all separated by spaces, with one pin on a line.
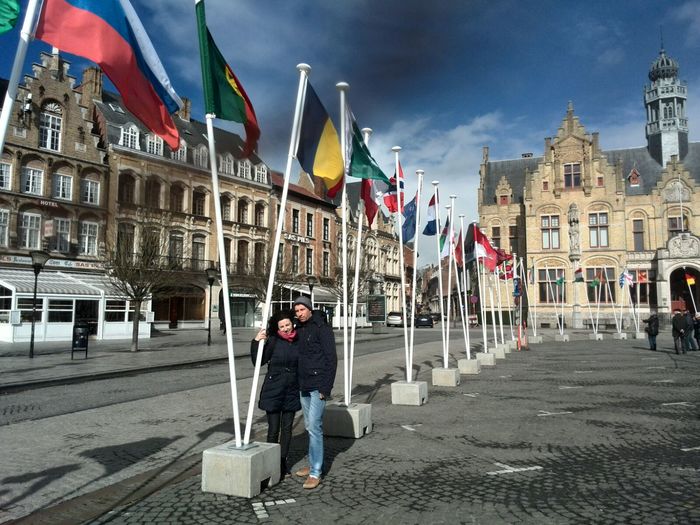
pixel 376 308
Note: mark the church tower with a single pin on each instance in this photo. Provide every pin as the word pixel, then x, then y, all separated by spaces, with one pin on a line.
pixel 664 99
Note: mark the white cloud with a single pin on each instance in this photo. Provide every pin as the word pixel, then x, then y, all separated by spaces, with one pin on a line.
pixel 689 13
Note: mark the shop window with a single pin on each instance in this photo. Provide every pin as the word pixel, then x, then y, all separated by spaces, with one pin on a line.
pixel 115 311
pixel 60 310
pixel 5 304
pixel 25 306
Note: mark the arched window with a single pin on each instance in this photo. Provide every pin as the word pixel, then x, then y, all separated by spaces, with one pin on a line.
pixel 181 153
pixel 200 157
pixel 130 137
pixel 152 193
pixel 50 123
pixel 260 214
pixel 225 208
pixel 127 189
pixel 243 211
pixel 154 145
pixel 199 200
pixel 177 196
pixel 199 250
pixel 227 164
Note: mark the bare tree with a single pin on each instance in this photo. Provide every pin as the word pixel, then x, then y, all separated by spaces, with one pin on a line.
pixel 139 273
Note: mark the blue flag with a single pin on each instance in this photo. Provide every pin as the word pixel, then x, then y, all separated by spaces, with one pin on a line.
pixel 408 230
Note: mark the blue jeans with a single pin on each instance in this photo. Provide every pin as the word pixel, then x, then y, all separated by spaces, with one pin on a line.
pixel 313 407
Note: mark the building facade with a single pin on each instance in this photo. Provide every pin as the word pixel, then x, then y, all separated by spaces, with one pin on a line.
pixel 606 212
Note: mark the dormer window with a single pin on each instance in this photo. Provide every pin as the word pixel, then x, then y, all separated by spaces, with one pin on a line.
pixel 130 137
pixel 200 157
pixel 244 169
pixel 261 173
pixel 634 178
pixel 154 145
pixel 572 175
pixel 227 164
pixel 181 153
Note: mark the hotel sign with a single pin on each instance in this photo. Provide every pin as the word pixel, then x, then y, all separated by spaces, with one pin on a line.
pixel 296 238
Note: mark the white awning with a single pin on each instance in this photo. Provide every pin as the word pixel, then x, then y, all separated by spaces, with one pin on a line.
pixel 21 281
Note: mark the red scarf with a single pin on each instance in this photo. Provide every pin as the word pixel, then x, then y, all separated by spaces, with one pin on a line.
pixel 287 337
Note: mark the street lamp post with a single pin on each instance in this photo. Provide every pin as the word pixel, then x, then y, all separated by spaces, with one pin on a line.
pixel 311 280
pixel 39 259
pixel 211 277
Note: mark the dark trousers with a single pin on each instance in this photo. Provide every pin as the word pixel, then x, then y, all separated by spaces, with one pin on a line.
pixel 679 344
pixel 279 430
pixel 652 341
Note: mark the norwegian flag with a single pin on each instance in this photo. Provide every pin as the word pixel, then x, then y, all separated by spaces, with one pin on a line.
pixel 394 194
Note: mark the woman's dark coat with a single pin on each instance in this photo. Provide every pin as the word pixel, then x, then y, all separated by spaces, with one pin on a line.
pixel 280 390
pixel 653 328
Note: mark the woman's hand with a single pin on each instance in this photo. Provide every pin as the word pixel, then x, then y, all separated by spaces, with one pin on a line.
pixel 262 335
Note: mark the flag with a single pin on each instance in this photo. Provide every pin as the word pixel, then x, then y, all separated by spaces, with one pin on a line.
pixel 223 94
pixel 459 250
pixel 559 281
pixel 319 146
pixel 595 282
pixel 642 276
pixel 408 229
pixel 506 271
pixel 578 275
pixel 444 245
pixel 502 256
pixel 9 12
pixel 109 33
pixel 689 279
pixel 478 246
pixel 431 218
pixel 625 278
pixel 394 193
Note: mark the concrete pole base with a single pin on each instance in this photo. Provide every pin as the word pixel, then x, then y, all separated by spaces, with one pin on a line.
pixel 513 345
pixel 378 328
pixel 353 421
pixel 499 353
pixel 414 393
pixel 562 338
pixel 241 471
pixel 534 339
pixel 486 360
pixel 595 337
pixel 640 335
pixel 445 376
pixel 469 366
pixel 621 335
pixel 503 346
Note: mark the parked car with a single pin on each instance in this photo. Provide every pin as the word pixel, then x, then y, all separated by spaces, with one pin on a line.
pixel 394 319
pixel 424 320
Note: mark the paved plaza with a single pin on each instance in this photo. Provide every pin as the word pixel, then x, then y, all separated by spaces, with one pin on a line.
pixel 579 432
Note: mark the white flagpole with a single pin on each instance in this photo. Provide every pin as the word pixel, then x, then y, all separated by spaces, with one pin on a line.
pixel 514 265
pixel 482 292
pixel 224 278
pixel 525 285
pixel 500 306
pixel 461 305
pixel 450 249
pixel 594 326
pixel 438 226
pixel 534 303
pixel 554 296
pixel 367 132
pixel 402 267
pixel 25 35
pixel 467 340
pixel 293 143
pixel 614 308
pixel 342 88
pixel 419 174
pixel 492 303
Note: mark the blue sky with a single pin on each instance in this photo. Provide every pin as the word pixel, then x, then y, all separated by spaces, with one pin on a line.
pixel 440 79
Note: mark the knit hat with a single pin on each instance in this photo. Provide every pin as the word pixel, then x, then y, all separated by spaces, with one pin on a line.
pixel 302 299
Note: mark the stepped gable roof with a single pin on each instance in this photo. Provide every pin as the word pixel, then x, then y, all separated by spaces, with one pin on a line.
pixel 513 171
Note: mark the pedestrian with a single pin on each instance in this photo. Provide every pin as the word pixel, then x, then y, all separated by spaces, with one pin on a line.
pixel 678 326
pixel 696 329
pixel 688 340
pixel 652 330
pixel 279 396
pixel 317 367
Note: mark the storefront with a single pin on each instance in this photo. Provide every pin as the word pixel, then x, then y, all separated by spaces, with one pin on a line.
pixel 62 299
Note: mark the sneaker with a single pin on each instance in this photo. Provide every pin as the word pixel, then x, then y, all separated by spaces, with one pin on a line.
pixel 303 472
pixel 312 482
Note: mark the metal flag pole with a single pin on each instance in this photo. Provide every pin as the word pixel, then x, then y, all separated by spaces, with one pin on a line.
pixel 461 305
pixel 450 249
pixel 402 267
pixel 467 340
pixel 500 306
pixel 482 292
pixel 25 35
pixel 438 232
pixel 342 88
pixel 304 70
pixel 419 174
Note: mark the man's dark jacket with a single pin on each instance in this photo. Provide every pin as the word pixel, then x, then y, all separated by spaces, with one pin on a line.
pixel 678 323
pixel 317 357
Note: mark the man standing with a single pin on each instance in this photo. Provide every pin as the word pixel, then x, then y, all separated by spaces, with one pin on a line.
pixel 652 330
pixel 317 366
pixel 678 329
pixel 689 331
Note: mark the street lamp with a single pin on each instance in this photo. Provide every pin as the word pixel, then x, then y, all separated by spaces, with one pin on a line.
pixel 211 277
pixel 311 280
pixel 39 259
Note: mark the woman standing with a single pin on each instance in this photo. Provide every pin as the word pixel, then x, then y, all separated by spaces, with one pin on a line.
pixel 279 396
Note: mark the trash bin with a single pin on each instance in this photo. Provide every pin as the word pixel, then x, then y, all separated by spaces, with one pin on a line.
pixel 81 330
